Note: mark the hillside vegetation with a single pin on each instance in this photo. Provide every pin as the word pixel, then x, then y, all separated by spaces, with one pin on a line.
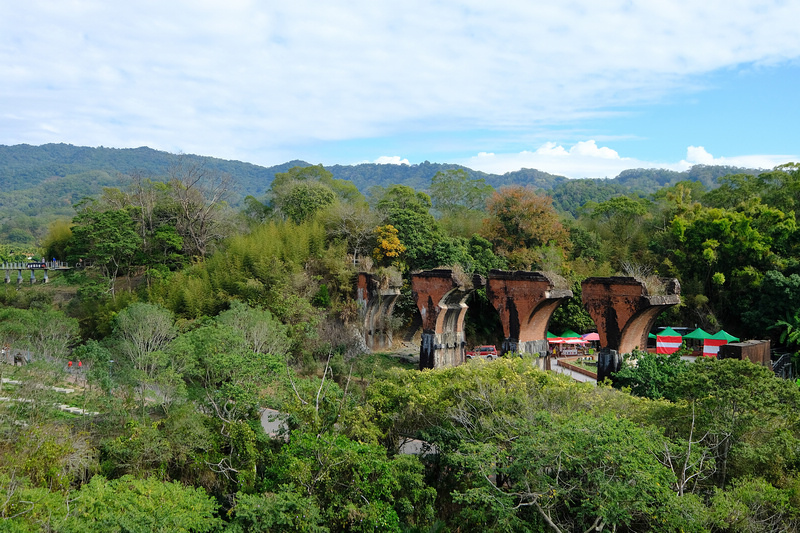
pixel 41 183
pixel 190 312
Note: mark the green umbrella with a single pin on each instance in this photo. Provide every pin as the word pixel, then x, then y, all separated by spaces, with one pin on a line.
pixel 551 336
pixel 724 335
pixel 698 334
pixel 569 334
pixel 668 332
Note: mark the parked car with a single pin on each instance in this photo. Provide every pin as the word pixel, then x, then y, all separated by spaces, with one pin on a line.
pixel 487 352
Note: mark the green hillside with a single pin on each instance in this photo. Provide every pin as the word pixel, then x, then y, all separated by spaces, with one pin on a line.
pixel 41 183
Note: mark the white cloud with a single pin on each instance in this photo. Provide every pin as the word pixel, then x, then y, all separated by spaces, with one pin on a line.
pixel 391 160
pixel 550 149
pixel 590 149
pixel 697 155
pixel 251 77
pixel 587 160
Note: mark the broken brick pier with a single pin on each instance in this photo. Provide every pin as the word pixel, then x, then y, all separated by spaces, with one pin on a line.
pixel 376 298
pixel 526 302
pixel 624 311
pixel 440 298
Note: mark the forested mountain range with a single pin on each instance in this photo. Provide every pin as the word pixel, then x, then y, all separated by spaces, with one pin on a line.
pixel 23 167
pixel 42 183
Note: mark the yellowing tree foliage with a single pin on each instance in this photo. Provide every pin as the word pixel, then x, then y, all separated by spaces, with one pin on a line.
pixel 389 248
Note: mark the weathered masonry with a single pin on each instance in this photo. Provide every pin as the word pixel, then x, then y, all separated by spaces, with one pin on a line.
pixel 623 311
pixel 441 298
pixel 376 299
pixel 525 302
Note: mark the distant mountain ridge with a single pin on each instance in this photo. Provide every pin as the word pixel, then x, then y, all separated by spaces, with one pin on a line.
pixel 26 167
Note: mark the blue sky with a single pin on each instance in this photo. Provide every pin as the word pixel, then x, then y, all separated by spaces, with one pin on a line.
pixel 582 89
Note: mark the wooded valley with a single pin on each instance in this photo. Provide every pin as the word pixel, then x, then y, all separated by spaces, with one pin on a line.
pixel 194 302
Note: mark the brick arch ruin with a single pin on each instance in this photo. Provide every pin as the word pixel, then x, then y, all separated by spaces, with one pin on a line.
pixel 526 302
pixel 621 307
pixel 624 311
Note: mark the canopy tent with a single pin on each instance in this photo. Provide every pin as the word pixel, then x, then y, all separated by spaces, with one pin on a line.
pixel 722 334
pixel 668 341
pixel 651 336
pixel 711 345
pixel 698 334
pixel 570 337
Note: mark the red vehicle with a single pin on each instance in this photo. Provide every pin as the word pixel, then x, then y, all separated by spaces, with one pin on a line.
pixel 487 352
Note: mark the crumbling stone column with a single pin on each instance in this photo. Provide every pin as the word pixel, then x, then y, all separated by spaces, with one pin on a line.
pixel 376 299
pixel 441 298
pixel 526 302
pixel 623 311
pixel 608 362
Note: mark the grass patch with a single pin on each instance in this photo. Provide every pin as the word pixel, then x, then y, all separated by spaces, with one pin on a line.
pixel 591 366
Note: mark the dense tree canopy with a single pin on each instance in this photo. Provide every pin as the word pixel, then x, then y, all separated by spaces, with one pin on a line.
pixel 215 316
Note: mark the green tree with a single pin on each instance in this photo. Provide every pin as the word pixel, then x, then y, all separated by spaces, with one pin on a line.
pixel 483 258
pixel 791 328
pixel 355 225
pixel 752 504
pixel 47 334
pixel 741 246
pixel 104 238
pixel 357 487
pixel 302 192
pixel 782 188
pixel 775 303
pixel 734 190
pixel 649 375
pixel 144 331
pixel 584 473
pixel 621 224
pixel 227 375
pixel 283 510
pixel 55 243
pixel 255 211
pixel 345 190
pixel 744 410
pixel 408 211
pixel 135 505
pixel 571 314
pixel 263 333
pixel 453 191
pixel 304 200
